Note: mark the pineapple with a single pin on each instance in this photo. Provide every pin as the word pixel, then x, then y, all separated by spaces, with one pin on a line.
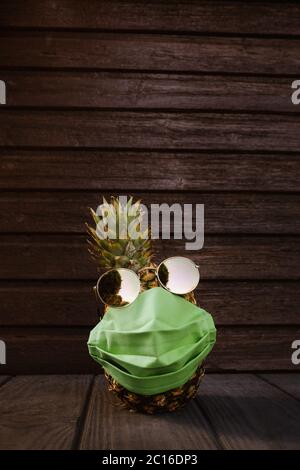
pixel 135 254
pixel 118 252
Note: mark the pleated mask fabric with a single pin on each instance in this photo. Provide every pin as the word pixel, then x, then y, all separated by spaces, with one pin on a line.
pixel 154 344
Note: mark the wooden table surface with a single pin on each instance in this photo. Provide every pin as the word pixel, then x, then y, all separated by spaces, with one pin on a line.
pixel 232 411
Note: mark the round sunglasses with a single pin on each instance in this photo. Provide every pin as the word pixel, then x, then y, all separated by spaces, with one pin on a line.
pixel 120 287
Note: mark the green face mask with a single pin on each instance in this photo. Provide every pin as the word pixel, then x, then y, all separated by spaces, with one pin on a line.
pixel 154 344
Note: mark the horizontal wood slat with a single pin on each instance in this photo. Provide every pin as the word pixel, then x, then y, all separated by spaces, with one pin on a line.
pixel 3 379
pixel 42 412
pixel 136 90
pixel 174 101
pixel 53 303
pixel 248 413
pixel 258 348
pixel 150 52
pixel 200 16
pixel 224 213
pixel 288 383
pixel 235 257
pixel 140 432
pixel 243 411
pixel 119 129
pixel 64 350
pixel 140 171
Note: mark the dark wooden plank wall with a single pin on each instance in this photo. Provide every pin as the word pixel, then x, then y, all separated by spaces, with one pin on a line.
pixel 171 101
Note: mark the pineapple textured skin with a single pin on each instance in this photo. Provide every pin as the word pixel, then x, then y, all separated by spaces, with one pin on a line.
pixel 136 254
pixel 171 400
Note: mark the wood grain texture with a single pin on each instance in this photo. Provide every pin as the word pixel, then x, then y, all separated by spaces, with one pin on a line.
pixel 148 91
pixel 48 351
pixel 172 101
pixel 47 303
pixel 194 16
pixel 253 348
pixel 149 52
pixel 186 429
pixel 243 411
pixel 41 412
pixel 3 379
pixel 65 212
pixel 126 171
pixel 237 257
pixel 66 303
pixel 140 130
pixel 64 350
pixel 289 383
pixel 248 414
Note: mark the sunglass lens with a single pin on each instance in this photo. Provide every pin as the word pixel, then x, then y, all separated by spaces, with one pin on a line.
pixel 118 287
pixel 179 275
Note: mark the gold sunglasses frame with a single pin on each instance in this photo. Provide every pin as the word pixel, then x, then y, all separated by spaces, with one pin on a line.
pixel 96 290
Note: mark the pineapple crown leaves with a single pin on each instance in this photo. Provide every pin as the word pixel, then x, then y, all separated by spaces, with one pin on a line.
pixel 107 247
